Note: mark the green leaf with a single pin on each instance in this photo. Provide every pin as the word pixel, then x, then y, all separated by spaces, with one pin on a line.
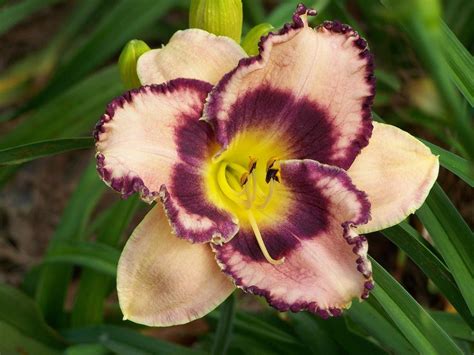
pixel 365 315
pixel 426 336
pixel 457 165
pixel 70 114
pixel 453 239
pixel 125 341
pixel 413 244
pixel 54 279
pixel 14 342
pixel 336 329
pixel 96 256
pixel 460 62
pixel 32 151
pixel 454 325
pixel 124 21
pixel 94 287
pixel 253 325
pixel 224 327
pixel 20 312
pixel 87 349
pixel 11 15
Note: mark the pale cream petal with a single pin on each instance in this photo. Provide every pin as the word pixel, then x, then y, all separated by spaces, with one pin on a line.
pixel 397 172
pixel 163 280
pixel 193 54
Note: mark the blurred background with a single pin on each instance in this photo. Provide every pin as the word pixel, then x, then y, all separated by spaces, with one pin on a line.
pixel 57 72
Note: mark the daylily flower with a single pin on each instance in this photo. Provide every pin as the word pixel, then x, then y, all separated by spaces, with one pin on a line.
pixel 266 169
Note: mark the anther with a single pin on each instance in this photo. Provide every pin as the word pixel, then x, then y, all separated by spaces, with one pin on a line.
pixel 272 174
pixel 271 162
pixel 244 178
pixel 252 164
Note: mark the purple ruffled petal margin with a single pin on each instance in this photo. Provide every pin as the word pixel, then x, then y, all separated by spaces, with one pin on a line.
pixel 241 258
pixel 225 92
pixel 128 184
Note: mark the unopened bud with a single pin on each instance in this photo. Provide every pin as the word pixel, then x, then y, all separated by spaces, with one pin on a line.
pixel 221 17
pixel 251 40
pixel 128 62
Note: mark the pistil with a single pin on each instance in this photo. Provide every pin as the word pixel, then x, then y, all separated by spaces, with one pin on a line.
pixel 260 241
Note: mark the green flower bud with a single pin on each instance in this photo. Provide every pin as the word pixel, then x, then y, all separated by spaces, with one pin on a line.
pixel 251 40
pixel 221 17
pixel 128 62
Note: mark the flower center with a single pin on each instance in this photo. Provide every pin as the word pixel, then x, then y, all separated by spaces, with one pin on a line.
pixel 249 191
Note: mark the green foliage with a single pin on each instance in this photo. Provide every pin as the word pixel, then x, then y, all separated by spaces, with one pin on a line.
pixel 55 95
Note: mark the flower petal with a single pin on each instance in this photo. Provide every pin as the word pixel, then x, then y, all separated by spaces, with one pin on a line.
pixel 325 262
pixel 311 88
pixel 149 141
pixel 194 54
pixel 397 172
pixel 163 280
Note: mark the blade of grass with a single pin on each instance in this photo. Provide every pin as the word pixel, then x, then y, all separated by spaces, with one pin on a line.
pixel 11 15
pixel 453 238
pixel 131 17
pixel 460 61
pixel 125 341
pixel 426 336
pixel 26 77
pixel 32 151
pixel 94 287
pixel 14 342
pixel 336 329
pixel 54 279
pixel 454 325
pixel 365 315
pixel 20 312
pixel 423 26
pixel 224 327
pixel 69 114
pixel 457 165
pixel 413 244
pixel 96 256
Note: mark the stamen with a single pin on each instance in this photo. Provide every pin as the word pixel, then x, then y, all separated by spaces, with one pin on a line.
pixel 261 244
pixel 268 196
pixel 272 174
pixel 227 190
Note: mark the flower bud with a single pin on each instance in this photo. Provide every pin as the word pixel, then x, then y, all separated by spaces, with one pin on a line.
pixel 128 62
pixel 221 17
pixel 251 40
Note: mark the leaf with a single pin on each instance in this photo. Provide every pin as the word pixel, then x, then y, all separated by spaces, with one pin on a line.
pixel 224 327
pixel 376 325
pixel 11 15
pixel 453 238
pixel 94 287
pixel 27 152
pixel 20 312
pixel 14 342
pixel 125 341
pixel 96 256
pixel 131 17
pixel 336 329
pixel 460 62
pixel 454 325
pixel 457 165
pixel 413 244
pixel 426 336
pixel 87 349
pixel 70 114
pixel 54 279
